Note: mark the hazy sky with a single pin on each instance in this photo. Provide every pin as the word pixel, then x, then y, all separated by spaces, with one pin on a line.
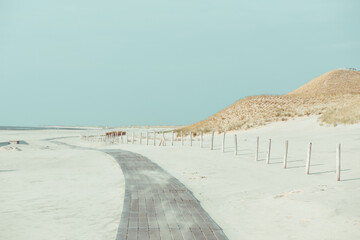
pixel 156 62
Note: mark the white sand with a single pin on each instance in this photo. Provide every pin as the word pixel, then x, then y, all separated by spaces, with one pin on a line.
pixel 253 200
pixel 249 200
pixel 49 191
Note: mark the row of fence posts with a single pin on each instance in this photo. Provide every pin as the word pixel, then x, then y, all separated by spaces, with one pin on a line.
pixel 111 139
pixel 308 158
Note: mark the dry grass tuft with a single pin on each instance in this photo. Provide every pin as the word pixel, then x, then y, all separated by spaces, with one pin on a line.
pixel 348 113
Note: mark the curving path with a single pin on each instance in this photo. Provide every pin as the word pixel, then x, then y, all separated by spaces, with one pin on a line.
pixel 157 206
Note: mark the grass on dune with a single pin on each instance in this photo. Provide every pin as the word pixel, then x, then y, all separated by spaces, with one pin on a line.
pixel 260 110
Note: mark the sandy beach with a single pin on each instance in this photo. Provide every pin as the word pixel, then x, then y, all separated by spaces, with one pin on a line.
pixel 49 191
pixel 55 190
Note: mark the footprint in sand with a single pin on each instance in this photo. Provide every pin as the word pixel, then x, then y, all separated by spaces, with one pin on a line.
pixel 288 194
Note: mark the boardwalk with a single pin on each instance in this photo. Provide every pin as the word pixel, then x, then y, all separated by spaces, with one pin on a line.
pixel 157 206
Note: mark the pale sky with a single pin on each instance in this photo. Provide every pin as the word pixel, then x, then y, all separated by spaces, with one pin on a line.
pixel 162 62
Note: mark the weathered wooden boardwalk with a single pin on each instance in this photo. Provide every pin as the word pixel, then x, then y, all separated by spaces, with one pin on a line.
pixel 157 206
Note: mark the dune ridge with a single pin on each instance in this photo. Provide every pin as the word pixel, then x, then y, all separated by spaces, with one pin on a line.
pixel 339 81
pixel 334 96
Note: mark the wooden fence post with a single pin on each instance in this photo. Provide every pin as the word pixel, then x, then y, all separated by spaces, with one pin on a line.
pixel 235 144
pixel 140 138
pixel 286 153
pixel 223 142
pixel 163 139
pixel 307 171
pixel 338 163
pixel 201 139
pixel 212 141
pixel 182 138
pixel 190 139
pixel 127 138
pixel 172 138
pixel 257 150
pixel 121 137
pixel 154 138
pixel 133 137
pixel 268 153
pixel 147 138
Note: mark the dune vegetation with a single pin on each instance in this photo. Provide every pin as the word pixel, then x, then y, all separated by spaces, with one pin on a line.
pixel 334 97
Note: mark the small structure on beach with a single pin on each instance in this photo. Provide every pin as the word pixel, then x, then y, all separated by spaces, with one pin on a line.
pixel 115 133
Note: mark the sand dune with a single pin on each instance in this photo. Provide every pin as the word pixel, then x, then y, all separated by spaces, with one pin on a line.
pixel 338 81
pixel 325 95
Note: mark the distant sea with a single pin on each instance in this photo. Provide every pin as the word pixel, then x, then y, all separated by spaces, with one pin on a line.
pixel 38 128
pixel 15 128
